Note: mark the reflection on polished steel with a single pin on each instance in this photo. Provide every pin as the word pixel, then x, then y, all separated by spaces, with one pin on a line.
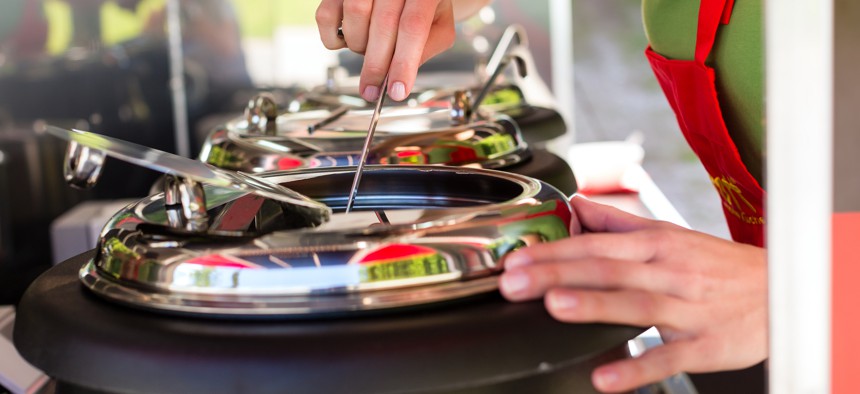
pixel 87 144
pixel 185 204
pixel 403 135
pixel 438 124
pixel 82 165
pixel 261 114
pixel 461 107
pixel 440 241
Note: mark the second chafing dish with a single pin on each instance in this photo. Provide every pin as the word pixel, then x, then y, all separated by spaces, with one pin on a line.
pixel 443 125
pixel 265 140
pixel 278 244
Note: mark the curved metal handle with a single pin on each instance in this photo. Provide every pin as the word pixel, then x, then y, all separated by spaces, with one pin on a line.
pixel 504 46
pixel 185 204
pixel 83 165
pixel 521 69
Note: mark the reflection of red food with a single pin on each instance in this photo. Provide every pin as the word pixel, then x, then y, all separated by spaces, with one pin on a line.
pixel 396 252
pixel 462 154
pixel 217 260
pixel 288 163
pixel 409 153
pixel 129 220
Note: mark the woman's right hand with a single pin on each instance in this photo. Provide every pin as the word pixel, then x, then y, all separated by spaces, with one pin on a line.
pixel 395 36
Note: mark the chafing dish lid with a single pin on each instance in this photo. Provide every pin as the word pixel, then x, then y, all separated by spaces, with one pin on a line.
pixel 183 167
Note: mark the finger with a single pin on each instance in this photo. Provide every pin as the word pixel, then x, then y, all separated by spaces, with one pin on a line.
pixel 356 23
pixel 653 366
pixel 442 33
pixel 377 59
pixel 328 17
pixel 533 281
pixel 636 246
pixel 415 24
pixel 629 307
pixel 603 218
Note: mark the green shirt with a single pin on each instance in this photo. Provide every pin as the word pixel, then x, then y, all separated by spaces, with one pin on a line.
pixel 737 58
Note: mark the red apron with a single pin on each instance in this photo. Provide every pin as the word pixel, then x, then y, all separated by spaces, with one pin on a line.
pixel 689 86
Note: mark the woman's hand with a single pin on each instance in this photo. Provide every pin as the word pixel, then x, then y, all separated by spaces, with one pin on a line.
pixel 396 36
pixel 707 296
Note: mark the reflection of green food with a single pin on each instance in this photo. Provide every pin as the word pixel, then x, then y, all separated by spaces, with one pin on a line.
pixel 495 144
pixel 220 157
pixel 507 96
pixel 541 222
pixel 504 245
pixel 203 276
pixel 415 267
pixel 452 151
pixel 119 260
pixel 116 254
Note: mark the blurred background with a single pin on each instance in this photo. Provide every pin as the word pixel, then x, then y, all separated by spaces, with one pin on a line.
pixel 162 73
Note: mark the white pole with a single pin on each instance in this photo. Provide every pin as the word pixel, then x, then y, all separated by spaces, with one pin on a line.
pixel 561 42
pixel 799 42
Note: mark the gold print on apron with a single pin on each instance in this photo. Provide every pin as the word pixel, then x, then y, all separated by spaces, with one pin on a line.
pixel 734 200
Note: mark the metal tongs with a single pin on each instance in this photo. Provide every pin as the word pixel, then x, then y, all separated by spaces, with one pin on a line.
pixel 374 120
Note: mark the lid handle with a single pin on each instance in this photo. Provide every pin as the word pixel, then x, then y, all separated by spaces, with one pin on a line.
pixel 83 165
pixel 262 114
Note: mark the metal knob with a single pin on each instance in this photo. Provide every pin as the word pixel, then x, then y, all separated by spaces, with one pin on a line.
pixel 83 165
pixel 461 107
pixel 185 203
pixel 261 114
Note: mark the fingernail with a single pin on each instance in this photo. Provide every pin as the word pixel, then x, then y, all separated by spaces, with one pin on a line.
pixel 398 91
pixel 371 93
pixel 563 301
pixel 514 282
pixel 605 379
pixel 516 259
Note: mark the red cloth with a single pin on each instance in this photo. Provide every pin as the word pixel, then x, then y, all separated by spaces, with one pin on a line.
pixel 690 89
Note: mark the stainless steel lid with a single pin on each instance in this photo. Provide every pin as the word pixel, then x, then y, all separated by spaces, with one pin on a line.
pixel 334 137
pixel 85 159
pixel 280 244
pixel 418 235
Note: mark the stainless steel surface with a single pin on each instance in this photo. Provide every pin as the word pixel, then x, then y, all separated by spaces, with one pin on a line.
pixel 185 204
pixel 192 170
pixel 442 241
pixel 461 107
pixel 324 126
pixel 335 115
pixel 261 114
pixel 82 165
pixel 374 120
pixel 186 210
pixel 404 135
